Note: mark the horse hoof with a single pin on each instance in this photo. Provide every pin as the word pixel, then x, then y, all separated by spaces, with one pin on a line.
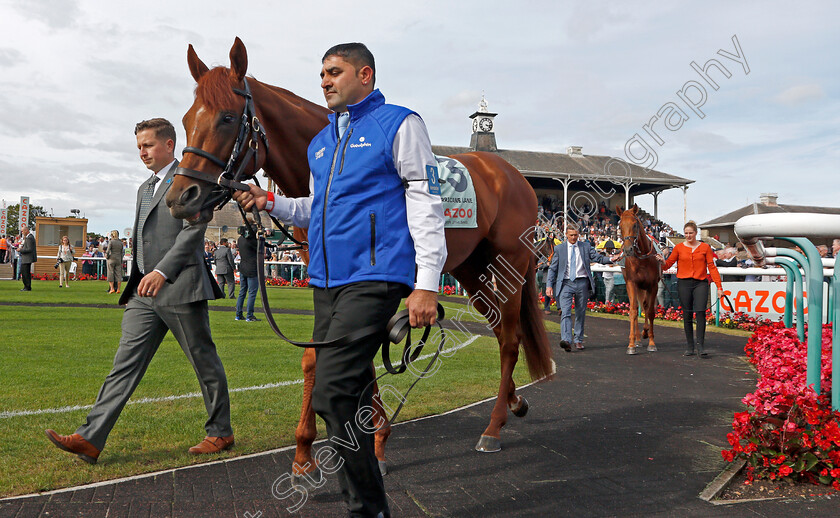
pixel 314 479
pixel 651 348
pixel 522 409
pixel 488 444
pixel 632 350
pixel 638 343
pixel 383 467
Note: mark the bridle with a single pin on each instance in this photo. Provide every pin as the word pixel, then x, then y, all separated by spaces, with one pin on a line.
pixel 634 250
pixel 247 142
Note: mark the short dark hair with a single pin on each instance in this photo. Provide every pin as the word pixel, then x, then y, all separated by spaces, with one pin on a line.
pixel 163 128
pixel 356 54
pixel 223 241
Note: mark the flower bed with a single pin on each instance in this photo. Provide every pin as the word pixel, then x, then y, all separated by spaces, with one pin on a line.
pixel 80 277
pixel 297 283
pixel 787 432
pixel 727 320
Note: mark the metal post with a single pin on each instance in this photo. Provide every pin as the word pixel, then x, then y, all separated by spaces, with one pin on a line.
pixel 835 342
pixel 794 292
pixel 815 305
pixel 798 259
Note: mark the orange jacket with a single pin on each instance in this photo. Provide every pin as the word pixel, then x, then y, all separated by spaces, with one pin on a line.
pixel 692 265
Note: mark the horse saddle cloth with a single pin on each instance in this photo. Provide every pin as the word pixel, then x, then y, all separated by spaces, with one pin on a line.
pixel 457 194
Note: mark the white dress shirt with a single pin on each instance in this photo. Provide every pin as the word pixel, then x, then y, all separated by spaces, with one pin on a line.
pixel 412 151
pixel 579 266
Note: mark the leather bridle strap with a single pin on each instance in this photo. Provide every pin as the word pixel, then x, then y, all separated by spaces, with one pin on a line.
pixel 251 130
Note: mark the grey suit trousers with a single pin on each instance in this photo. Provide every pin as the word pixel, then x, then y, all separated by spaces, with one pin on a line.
pixel 144 325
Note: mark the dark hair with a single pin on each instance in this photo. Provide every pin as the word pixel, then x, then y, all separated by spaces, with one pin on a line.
pixel 163 128
pixel 356 54
pixel 223 241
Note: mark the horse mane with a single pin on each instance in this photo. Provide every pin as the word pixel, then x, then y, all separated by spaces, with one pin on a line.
pixel 214 89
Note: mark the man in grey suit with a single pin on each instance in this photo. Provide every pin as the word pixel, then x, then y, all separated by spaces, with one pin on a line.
pixel 225 267
pixel 570 277
pixel 28 255
pixel 168 289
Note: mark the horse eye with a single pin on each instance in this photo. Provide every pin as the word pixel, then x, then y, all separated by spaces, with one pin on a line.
pixel 228 118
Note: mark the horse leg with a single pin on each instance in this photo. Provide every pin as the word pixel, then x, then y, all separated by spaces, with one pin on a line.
pixel 509 336
pixel 306 432
pixel 650 315
pixel 383 432
pixel 634 316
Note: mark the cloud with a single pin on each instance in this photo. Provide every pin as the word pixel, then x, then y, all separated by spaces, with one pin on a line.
pixel 10 57
pixel 57 15
pixel 462 100
pixel 800 94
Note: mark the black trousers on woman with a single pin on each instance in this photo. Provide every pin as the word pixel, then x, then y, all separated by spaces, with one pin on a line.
pixel 694 294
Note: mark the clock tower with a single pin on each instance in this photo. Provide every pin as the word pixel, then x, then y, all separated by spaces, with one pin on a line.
pixel 483 138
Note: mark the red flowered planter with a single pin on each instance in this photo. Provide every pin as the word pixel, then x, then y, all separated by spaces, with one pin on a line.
pixel 727 320
pixel 787 432
pixel 297 283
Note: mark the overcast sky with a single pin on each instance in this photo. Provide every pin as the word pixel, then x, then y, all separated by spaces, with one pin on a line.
pixel 75 76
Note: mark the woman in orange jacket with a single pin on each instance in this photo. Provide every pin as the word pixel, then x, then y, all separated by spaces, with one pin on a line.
pixel 695 262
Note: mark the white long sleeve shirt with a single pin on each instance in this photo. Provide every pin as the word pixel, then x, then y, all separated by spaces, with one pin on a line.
pixel 412 150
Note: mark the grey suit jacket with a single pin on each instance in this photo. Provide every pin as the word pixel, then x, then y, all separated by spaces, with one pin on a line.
pixel 176 249
pixel 224 260
pixel 557 269
pixel 28 250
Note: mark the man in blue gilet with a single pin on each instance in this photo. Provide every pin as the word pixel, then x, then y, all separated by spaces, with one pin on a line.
pixel 375 224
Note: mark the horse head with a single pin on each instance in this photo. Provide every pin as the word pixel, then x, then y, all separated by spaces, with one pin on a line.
pixel 630 228
pixel 218 126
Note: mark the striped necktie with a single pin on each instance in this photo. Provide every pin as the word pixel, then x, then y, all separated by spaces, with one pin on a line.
pixel 145 205
pixel 343 122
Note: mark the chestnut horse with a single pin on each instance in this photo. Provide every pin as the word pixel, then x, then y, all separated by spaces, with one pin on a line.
pixel 507 209
pixel 641 273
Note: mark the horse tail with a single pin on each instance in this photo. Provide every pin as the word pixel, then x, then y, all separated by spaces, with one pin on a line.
pixel 535 343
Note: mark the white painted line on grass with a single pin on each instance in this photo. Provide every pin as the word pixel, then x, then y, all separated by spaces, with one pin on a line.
pixel 7 414
pixel 252 455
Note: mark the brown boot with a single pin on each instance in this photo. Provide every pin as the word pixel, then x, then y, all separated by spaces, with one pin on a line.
pixel 75 444
pixel 212 445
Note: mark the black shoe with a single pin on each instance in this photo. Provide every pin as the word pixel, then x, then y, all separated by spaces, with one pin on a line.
pixel 26 289
pixel 566 346
pixel 689 352
pixel 700 352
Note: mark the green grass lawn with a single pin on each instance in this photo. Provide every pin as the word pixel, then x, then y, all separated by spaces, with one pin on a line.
pixel 57 357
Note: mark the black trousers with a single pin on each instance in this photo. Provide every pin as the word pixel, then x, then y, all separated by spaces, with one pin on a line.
pixel 342 373
pixel 694 294
pixel 26 275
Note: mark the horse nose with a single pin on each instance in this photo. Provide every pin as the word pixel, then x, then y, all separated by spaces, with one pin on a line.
pixel 189 195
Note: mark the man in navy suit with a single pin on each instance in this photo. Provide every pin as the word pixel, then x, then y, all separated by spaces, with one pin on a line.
pixel 570 277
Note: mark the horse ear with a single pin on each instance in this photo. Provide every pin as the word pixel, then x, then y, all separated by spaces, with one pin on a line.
pixel 635 209
pixel 238 60
pixel 197 67
pixel 618 210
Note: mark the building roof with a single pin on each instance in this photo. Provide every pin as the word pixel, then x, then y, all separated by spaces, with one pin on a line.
pixel 538 164
pixel 761 208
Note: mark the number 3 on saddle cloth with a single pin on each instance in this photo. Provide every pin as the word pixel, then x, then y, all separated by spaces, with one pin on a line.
pixel 457 194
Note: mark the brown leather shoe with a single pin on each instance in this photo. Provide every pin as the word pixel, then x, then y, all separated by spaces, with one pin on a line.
pixel 75 444
pixel 212 445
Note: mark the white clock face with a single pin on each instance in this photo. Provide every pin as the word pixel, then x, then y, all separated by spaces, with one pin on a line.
pixel 485 124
